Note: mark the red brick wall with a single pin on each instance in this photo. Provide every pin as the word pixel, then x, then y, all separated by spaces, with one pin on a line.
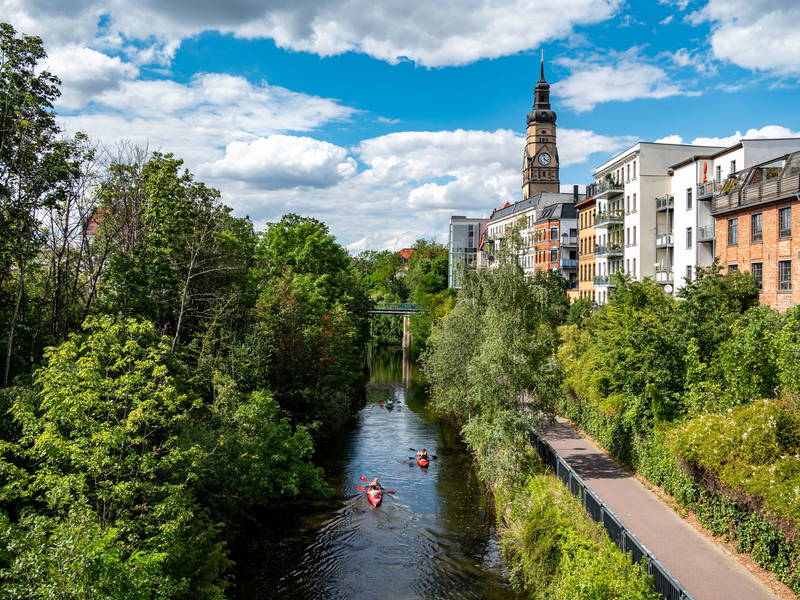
pixel 769 251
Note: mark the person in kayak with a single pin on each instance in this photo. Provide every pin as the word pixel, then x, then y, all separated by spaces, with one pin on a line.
pixel 374 486
pixel 422 454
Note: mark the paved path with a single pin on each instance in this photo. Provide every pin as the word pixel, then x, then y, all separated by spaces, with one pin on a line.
pixel 703 569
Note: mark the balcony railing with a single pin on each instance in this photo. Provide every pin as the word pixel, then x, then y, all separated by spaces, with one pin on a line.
pixel 705 233
pixel 612 188
pixel 609 217
pixel 664 240
pixel 608 250
pixel 707 189
pixel 665 203
pixel 756 193
pixel 569 263
pixel 607 280
pixel 664 274
pixel 572 285
pixel 570 240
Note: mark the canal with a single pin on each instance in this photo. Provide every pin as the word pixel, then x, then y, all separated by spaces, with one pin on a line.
pixel 434 538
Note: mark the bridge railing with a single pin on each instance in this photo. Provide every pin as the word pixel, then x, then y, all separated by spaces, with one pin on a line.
pixel 400 306
pixel 664 582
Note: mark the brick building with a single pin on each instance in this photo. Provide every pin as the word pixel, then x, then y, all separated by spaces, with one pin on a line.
pixel 757 222
pixel 556 242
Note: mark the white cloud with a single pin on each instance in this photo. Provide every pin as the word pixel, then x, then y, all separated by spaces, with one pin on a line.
pixel 700 61
pixel 755 34
pixel 197 120
pixel 84 73
pixel 670 139
pixel 627 78
pixel 768 131
pixel 282 162
pixel 429 33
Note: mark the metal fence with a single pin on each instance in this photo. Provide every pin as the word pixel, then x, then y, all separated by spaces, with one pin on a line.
pixel 665 583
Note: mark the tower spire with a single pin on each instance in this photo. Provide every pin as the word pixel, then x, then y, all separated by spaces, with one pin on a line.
pixel 541 67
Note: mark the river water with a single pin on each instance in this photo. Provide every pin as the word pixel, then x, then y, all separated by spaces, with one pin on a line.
pixel 432 539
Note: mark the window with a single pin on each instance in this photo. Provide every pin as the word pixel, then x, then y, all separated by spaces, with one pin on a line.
pixel 688 198
pixel 733 231
pixel 553 255
pixel 784 275
pixel 628 173
pixel 733 268
pixel 634 260
pixel 634 176
pixel 628 237
pixel 755 228
pixel 688 273
pixel 757 270
pixel 733 167
pixel 627 265
pixel 634 201
pixel 719 173
pixel 627 204
pixel 785 221
pixel 688 237
pixel 554 233
pixel 634 235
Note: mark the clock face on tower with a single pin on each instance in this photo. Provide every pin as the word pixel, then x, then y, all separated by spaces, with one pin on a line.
pixel 544 158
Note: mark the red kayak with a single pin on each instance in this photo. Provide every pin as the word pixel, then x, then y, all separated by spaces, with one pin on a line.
pixel 375 497
pixel 423 462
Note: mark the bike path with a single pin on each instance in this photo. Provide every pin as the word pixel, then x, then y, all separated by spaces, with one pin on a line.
pixel 703 568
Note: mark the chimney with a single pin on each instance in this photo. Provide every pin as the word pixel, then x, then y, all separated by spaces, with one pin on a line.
pixel 575 194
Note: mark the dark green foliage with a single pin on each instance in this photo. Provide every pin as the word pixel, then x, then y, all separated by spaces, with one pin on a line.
pixel 492 370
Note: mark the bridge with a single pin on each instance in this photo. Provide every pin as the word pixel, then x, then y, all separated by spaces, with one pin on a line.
pixel 402 308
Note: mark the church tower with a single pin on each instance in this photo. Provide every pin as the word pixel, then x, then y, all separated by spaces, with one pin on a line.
pixel 540 159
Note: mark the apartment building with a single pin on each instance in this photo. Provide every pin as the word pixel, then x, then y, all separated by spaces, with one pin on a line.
pixel 463 240
pixel 586 245
pixel 757 224
pixel 522 215
pixel 686 236
pixel 556 241
pixel 625 189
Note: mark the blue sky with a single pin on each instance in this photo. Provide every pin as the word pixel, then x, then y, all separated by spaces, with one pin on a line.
pixel 384 118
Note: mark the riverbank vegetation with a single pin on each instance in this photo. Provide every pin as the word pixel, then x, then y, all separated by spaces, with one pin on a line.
pixel 698 394
pixel 166 367
pixel 493 371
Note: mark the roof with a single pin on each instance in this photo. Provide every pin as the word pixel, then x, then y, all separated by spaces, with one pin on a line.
pixel 405 253
pixel 555 212
pixel 585 202
pixel 540 200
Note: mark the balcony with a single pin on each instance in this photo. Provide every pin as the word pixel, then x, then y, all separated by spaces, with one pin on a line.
pixel 706 233
pixel 604 186
pixel 609 250
pixel 572 285
pixel 665 203
pixel 708 189
pixel 569 263
pixel 609 217
pixel 569 240
pixel 606 280
pixel 757 193
pixel 664 274
pixel 664 240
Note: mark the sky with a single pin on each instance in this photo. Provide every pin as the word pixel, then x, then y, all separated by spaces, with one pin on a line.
pixel 384 118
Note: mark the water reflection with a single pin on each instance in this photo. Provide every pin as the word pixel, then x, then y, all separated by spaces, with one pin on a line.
pixel 432 539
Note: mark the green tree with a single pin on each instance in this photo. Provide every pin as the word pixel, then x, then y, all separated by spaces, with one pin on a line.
pixel 105 429
pixel 28 169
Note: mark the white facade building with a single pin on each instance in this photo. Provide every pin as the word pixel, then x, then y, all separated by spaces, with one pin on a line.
pixel 625 189
pixel 695 181
pixel 462 246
